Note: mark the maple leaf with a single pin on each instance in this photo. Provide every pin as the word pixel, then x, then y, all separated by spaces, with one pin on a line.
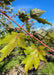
pixel 8 48
pixel 13 40
pixel 33 57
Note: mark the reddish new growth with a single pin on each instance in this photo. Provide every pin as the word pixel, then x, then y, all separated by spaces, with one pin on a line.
pixel 27 31
pixel 24 22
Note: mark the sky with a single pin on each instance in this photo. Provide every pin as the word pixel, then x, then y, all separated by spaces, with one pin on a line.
pixel 46 5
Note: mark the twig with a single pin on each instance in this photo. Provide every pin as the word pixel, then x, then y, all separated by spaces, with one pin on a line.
pixel 27 31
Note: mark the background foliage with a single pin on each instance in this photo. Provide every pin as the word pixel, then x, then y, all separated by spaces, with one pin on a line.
pixel 28 47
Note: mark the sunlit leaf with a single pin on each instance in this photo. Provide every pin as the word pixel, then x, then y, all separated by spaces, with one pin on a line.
pixel 8 48
pixel 36 12
pixel 33 57
pixel 21 40
pixel 8 38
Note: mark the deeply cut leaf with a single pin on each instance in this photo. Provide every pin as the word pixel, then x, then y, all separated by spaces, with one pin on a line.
pixel 12 41
pixel 33 57
pixel 8 48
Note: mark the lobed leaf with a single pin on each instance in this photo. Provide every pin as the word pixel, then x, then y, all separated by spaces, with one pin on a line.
pixel 8 38
pixel 33 57
pixel 13 40
pixel 8 48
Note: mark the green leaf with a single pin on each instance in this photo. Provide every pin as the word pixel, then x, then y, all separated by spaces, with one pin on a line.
pixel 8 48
pixel 21 40
pixel 13 40
pixel 33 57
pixel 51 35
pixel 6 7
pixel 8 38
pixel 10 25
pixel 30 49
pixel 23 17
pixel 36 12
pixel 40 20
pixel 41 53
pixel 28 14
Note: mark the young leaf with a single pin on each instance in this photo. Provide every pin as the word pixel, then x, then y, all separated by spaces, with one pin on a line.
pixel 40 20
pixel 23 17
pixel 37 12
pixel 33 57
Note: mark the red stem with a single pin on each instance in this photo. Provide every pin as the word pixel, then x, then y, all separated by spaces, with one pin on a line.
pixel 26 22
pixel 14 16
pixel 27 31
pixel 48 51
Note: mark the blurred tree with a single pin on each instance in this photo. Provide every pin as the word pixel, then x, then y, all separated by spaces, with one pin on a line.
pixel 5 23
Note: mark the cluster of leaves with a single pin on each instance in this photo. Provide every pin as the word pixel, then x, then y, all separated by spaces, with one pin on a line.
pixel 47 36
pixel 48 69
pixel 7 2
pixel 35 14
pixel 13 39
pixel 5 23
pixel 10 63
pixel 33 54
